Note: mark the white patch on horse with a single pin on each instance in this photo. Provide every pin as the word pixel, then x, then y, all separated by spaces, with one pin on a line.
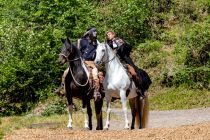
pixel 86 69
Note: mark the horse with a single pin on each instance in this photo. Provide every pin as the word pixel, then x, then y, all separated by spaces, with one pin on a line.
pixel 77 85
pixel 118 84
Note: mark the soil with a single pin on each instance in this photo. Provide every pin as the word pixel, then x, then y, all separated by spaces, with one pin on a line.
pixel 193 124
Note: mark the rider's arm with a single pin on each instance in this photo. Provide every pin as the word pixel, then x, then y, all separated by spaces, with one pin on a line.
pixel 83 45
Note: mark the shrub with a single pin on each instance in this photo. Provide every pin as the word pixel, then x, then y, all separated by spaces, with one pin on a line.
pixel 57 107
pixel 147 55
pixel 193 47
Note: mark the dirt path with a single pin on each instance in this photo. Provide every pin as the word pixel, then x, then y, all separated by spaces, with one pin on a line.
pixel 174 124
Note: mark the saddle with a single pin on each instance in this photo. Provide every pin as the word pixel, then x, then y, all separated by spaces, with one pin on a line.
pixel 91 80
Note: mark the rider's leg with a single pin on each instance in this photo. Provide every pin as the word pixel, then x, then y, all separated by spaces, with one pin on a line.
pixel 136 79
pixel 96 79
pixel 95 74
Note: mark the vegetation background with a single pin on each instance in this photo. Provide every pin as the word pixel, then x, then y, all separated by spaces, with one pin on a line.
pixel 170 39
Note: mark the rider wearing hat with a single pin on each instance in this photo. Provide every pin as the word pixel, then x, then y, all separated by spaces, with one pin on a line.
pixel 87 45
pixel 123 50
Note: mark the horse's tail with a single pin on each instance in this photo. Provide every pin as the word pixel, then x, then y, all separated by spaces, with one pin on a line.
pixel 142 107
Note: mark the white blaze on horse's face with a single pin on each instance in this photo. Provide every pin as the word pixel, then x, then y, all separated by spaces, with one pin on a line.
pixel 100 53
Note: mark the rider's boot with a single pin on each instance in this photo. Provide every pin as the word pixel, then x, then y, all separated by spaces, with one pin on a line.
pixel 136 80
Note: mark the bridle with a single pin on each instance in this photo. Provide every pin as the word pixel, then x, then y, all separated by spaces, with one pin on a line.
pixel 71 60
pixel 77 83
pixel 107 61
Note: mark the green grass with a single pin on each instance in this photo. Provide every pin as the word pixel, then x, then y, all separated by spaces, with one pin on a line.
pixel 179 98
pixel 9 124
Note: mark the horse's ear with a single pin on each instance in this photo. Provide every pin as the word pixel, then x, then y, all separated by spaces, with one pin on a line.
pixel 62 40
pixel 68 40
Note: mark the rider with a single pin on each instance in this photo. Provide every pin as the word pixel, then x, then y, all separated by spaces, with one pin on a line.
pixel 87 45
pixel 123 50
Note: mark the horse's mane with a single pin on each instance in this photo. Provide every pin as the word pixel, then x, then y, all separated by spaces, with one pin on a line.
pixel 77 49
pixel 111 50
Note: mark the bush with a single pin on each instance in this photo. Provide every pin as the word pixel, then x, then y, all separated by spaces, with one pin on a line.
pixel 197 41
pixel 58 107
pixel 193 78
pixel 148 54
pixel 30 33
pixel 193 47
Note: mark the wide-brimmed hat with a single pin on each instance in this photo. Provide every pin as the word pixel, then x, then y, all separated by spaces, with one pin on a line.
pixel 90 30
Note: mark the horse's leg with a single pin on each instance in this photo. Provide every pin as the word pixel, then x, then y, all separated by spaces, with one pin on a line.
pixel 70 110
pixel 145 110
pixel 140 110
pixel 124 107
pixel 108 110
pixel 132 103
pixel 84 110
pixel 89 111
pixel 98 110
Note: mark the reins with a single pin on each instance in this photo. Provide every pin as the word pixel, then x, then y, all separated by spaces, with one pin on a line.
pixel 109 60
pixel 68 59
pixel 82 85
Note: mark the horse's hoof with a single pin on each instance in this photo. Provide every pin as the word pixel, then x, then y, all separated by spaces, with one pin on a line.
pixel 106 128
pixel 71 128
pixel 132 128
pixel 140 127
pixel 126 128
pixel 98 128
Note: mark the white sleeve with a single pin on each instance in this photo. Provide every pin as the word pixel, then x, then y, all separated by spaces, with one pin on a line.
pixel 114 45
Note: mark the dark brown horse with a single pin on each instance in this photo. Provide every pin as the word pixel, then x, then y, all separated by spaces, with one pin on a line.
pixel 77 84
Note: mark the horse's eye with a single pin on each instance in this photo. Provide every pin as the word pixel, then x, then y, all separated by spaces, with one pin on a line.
pixel 103 50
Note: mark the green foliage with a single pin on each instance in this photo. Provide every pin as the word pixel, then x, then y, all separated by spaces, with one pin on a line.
pixel 58 107
pixel 150 54
pixel 179 98
pixel 194 48
pixel 28 61
pixel 128 18
pixel 168 38
pixel 196 39
pixel 30 32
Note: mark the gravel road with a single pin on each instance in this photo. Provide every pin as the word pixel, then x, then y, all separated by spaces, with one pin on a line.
pixel 192 124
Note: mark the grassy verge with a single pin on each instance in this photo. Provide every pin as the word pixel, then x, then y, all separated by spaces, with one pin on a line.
pixel 8 124
pixel 179 98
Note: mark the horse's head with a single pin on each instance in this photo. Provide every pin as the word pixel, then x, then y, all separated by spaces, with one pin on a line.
pixel 68 51
pixel 100 53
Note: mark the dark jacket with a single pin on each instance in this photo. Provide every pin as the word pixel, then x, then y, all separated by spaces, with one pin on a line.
pixel 123 50
pixel 87 49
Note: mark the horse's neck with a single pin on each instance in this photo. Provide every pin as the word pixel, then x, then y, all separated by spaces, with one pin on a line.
pixel 77 63
pixel 78 66
pixel 113 65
